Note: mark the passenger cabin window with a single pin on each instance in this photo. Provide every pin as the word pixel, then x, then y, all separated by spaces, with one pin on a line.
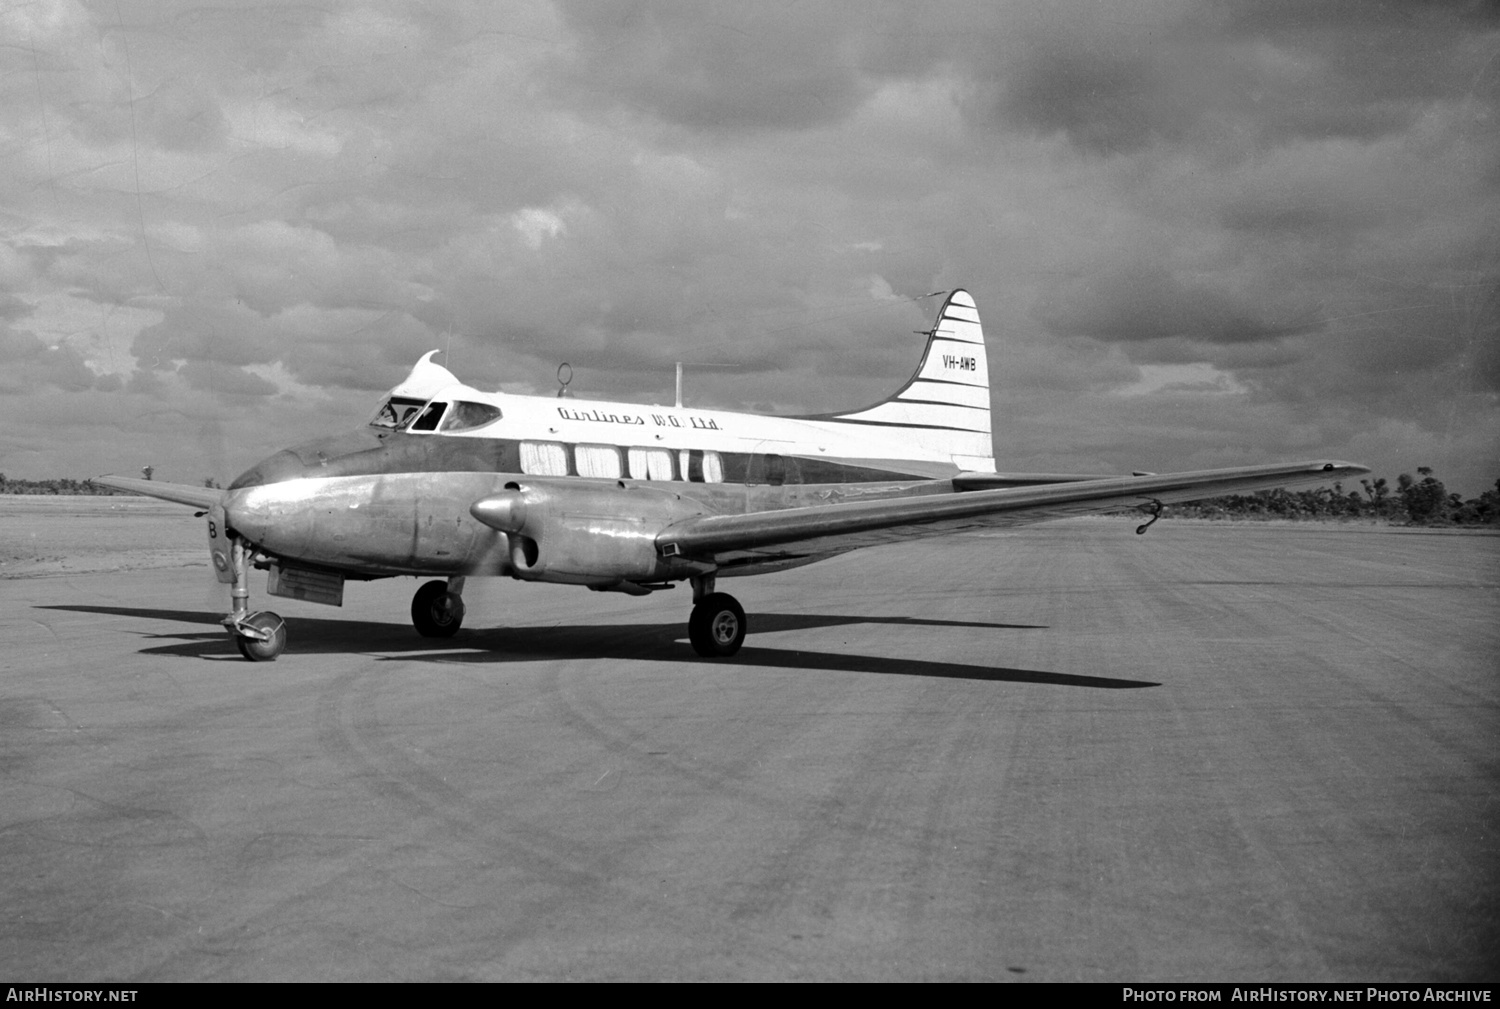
pixel 775 470
pixel 463 416
pixel 602 461
pixel 650 464
pixel 397 412
pixel 428 421
pixel 544 458
pixel 701 467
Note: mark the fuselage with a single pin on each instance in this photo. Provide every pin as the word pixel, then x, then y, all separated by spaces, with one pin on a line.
pixel 396 496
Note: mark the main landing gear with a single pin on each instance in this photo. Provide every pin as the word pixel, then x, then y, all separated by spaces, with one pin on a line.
pixel 260 636
pixel 717 624
pixel 437 610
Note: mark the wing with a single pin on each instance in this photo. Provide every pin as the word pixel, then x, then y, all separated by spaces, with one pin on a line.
pixel 181 493
pixel 761 537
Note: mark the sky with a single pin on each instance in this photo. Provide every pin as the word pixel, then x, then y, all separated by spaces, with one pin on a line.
pixel 1200 233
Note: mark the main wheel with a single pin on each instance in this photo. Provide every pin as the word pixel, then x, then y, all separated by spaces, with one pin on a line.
pixel 436 612
pixel 275 643
pixel 717 626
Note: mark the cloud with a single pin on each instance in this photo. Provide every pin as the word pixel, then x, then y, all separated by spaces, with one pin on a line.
pixel 1228 79
pixel 271 211
pixel 31 367
pixel 225 380
pixel 349 348
pixel 1104 103
pixel 199 331
pixel 718 66
pixel 537 224
pixel 1136 302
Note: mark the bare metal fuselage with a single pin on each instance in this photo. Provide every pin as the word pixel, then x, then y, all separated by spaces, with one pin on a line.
pixel 373 504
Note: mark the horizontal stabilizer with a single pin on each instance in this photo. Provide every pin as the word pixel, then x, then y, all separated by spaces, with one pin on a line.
pixel 181 493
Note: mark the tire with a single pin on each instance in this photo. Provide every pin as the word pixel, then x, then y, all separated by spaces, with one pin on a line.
pixel 717 626
pixel 263 651
pixel 436 612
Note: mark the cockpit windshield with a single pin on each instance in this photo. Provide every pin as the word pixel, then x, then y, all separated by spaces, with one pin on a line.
pixel 397 412
pixel 403 413
pixel 430 417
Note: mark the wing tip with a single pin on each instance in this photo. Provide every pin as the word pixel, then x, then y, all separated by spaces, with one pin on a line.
pixel 1341 467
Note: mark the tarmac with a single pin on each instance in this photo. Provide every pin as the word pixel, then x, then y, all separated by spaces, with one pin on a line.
pixel 1215 752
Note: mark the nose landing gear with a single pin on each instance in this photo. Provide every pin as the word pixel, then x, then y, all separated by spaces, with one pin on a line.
pixel 260 636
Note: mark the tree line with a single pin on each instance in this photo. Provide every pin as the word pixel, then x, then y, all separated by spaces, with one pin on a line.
pixel 1419 500
pixel 59 485
pixel 67 485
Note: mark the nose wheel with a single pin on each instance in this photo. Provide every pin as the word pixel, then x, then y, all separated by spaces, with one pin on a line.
pixel 437 610
pixel 269 638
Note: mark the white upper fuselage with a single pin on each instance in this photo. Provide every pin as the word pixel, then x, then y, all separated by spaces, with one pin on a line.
pixel 574 422
pixel 935 425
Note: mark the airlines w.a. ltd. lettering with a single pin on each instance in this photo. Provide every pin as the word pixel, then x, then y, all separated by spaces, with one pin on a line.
pixel 600 417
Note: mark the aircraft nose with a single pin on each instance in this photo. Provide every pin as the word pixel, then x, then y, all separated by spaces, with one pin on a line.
pixel 246 516
pixel 273 517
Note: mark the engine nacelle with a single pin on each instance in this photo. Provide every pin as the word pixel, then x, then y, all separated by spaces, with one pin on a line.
pixel 588 532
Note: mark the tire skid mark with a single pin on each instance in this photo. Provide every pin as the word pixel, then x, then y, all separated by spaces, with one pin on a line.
pixel 561 876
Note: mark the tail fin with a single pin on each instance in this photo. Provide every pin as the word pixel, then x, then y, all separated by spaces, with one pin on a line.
pixel 946 404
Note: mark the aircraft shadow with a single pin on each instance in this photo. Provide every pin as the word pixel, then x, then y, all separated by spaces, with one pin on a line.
pixel 654 642
pixel 185 616
pixel 761 623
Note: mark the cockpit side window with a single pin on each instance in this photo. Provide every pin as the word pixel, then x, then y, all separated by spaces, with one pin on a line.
pixel 465 416
pixel 397 412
